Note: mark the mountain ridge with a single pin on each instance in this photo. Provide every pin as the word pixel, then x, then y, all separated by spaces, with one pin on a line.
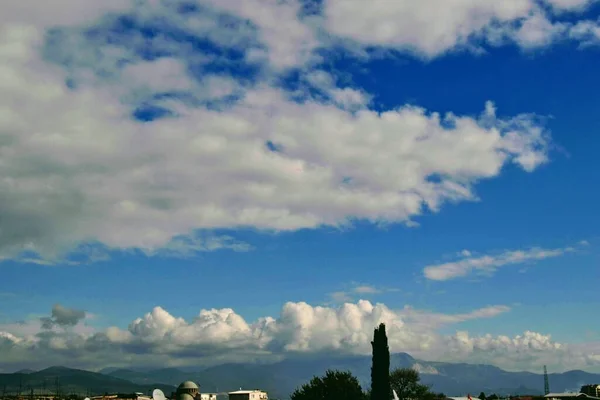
pixel 281 378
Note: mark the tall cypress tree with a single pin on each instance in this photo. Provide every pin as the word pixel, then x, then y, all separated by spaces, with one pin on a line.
pixel 380 370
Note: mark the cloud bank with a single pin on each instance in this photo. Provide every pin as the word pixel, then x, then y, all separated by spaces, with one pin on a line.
pixel 221 335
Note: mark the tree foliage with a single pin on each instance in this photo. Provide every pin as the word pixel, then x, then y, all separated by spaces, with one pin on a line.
pixel 380 369
pixel 481 396
pixel 406 383
pixel 336 385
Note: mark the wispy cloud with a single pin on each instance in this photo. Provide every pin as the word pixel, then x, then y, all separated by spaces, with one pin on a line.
pixel 186 246
pixel 489 263
pixel 358 290
pixel 430 320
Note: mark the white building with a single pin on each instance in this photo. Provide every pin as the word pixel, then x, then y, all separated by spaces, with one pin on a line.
pixel 248 395
pixel 208 396
pixel 569 396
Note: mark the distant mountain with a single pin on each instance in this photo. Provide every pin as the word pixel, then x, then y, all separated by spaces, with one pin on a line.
pixel 280 379
pixel 167 376
pixel 25 371
pixel 73 381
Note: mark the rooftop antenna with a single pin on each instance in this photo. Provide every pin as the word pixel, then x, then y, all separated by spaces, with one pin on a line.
pixel 157 394
pixel 546 382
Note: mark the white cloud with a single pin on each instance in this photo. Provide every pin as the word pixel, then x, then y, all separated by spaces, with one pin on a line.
pixel 430 28
pixel 537 31
pixel 358 291
pixel 289 42
pixel 103 177
pixel 428 320
pixel 570 5
pixel 489 263
pixel 521 350
pixel 427 27
pixel 77 169
pixel 587 32
pixel 219 335
pixel 57 12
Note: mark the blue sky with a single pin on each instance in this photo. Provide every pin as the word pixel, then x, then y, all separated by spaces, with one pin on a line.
pixel 243 160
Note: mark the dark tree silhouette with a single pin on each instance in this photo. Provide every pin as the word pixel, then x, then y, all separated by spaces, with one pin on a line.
pixel 333 385
pixel 406 383
pixel 380 370
pixel 481 396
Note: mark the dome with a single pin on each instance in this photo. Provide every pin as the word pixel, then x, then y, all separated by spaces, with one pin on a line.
pixel 188 385
pixel 185 396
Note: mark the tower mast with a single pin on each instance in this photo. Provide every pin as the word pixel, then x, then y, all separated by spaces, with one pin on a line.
pixel 546 382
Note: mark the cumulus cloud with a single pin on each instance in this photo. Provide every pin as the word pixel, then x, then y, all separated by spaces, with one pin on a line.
pixel 43 336
pixel 287 40
pixel 489 263
pixel 104 177
pixel 430 29
pixel 221 335
pixel 77 168
pixel 63 317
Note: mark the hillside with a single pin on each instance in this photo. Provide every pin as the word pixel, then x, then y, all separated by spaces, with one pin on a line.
pixel 73 381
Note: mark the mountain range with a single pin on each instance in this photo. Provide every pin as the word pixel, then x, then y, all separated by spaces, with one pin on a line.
pixel 71 380
pixel 281 378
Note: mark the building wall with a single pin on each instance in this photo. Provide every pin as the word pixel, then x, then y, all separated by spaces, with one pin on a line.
pixel 591 390
pixel 250 395
pixel 239 396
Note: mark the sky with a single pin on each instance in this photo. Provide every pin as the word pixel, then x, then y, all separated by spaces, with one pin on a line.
pixel 193 182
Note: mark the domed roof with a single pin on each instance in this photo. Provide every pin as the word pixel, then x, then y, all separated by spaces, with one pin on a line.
pixel 188 385
pixel 185 396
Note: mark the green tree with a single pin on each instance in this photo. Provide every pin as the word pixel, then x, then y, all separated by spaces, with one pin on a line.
pixel 493 396
pixel 481 396
pixel 380 369
pixel 333 385
pixel 407 384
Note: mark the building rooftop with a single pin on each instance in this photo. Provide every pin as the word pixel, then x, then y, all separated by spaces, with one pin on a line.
pixel 245 391
pixel 188 385
pixel 570 395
